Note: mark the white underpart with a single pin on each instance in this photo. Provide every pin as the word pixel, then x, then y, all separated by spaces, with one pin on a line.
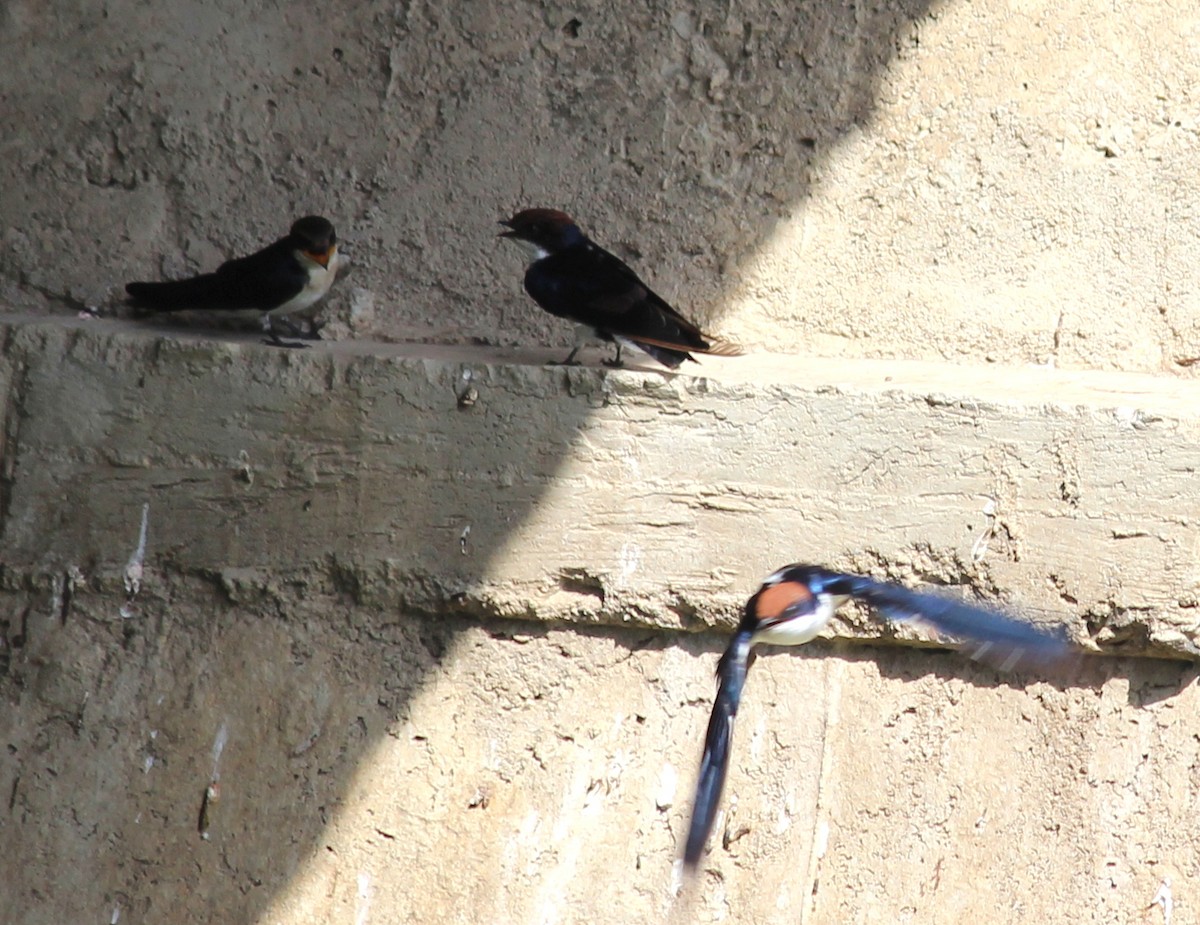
pixel 626 342
pixel 799 630
pixel 320 278
pixel 586 335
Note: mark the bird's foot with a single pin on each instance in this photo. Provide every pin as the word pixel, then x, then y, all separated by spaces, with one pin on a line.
pixel 311 332
pixel 274 340
pixel 614 363
pixel 280 342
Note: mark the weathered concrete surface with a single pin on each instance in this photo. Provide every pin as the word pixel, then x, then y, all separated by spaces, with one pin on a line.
pixel 584 495
pixel 900 178
pixel 385 767
pixel 394 751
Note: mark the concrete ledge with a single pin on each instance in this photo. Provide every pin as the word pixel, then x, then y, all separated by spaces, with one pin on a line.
pixel 459 479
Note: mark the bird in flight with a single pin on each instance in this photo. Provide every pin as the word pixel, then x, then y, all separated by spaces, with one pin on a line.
pixel 793 605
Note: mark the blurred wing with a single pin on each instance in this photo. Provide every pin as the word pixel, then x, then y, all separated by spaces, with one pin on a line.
pixel 1001 640
pixel 714 765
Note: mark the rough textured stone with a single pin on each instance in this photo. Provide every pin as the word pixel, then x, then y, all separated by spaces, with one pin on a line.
pixel 889 179
pixel 409 729
pixel 444 642
pixel 579 494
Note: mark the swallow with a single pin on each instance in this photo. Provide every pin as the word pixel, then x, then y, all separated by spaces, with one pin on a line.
pixel 793 606
pixel 286 278
pixel 574 278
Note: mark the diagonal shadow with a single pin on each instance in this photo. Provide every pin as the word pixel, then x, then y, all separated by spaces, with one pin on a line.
pixel 276 603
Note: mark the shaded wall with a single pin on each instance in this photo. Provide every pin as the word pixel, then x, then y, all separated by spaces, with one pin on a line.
pixel 971 180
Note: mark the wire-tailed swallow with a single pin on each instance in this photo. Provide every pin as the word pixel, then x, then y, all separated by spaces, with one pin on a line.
pixel 574 278
pixel 286 278
pixel 793 606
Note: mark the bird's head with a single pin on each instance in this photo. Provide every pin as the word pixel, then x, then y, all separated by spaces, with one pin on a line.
pixel 542 231
pixel 784 595
pixel 315 238
pixel 793 605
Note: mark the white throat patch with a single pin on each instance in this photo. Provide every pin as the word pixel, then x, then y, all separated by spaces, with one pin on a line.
pixel 532 251
pixel 319 280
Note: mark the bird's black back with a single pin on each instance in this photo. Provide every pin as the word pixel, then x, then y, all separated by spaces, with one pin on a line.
pixel 263 280
pixel 586 284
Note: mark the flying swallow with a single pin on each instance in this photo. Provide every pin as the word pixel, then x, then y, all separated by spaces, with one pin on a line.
pixel 574 278
pixel 793 606
pixel 286 278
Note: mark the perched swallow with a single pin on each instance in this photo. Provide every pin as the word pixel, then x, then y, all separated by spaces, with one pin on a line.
pixel 286 278
pixel 793 606
pixel 574 278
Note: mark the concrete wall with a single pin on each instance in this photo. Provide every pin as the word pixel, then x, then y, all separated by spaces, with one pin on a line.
pixel 957 180
pixel 410 721
pixel 413 721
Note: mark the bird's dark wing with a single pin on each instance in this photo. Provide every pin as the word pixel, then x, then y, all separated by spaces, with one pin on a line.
pixel 263 280
pixel 586 283
pixel 205 291
pixel 268 278
pixel 1000 639
pixel 715 762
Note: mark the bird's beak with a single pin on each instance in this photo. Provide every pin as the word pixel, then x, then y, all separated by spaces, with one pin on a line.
pixel 506 234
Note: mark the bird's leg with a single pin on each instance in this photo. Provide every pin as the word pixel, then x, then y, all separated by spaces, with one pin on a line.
pixel 311 332
pixel 289 326
pixel 569 361
pixel 615 362
pixel 274 340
